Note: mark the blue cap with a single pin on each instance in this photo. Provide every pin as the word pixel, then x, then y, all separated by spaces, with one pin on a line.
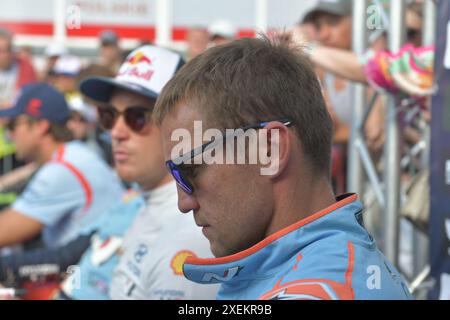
pixel 39 101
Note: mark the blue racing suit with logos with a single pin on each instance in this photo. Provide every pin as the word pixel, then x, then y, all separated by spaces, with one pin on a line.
pixel 328 255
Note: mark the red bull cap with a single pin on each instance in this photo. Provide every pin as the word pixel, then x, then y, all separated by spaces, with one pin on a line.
pixel 146 71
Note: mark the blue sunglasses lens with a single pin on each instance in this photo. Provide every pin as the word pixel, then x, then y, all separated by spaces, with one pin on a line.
pixel 179 178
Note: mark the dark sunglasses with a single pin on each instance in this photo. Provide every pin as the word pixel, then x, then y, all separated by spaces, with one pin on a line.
pixel 181 171
pixel 136 117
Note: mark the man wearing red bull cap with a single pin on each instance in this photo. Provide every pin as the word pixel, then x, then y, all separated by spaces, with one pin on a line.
pixel 158 236
pixel 145 262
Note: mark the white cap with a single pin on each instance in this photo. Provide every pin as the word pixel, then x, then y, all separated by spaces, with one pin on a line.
pixel 146 71
pixel 67 65
pixel 222 28
pixel 87 111
pixel 55 49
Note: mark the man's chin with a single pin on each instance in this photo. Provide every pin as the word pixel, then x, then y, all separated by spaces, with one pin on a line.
pixel 126 173
pixel 217 251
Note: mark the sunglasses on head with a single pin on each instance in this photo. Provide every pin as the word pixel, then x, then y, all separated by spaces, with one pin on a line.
pixel 136 117
pixel 182 172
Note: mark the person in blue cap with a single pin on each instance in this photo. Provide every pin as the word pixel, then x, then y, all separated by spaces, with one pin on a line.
pixel 72 187
pixel 143 258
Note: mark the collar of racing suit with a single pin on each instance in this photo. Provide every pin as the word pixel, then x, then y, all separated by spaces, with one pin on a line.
pixel 160 194
pixel 267 257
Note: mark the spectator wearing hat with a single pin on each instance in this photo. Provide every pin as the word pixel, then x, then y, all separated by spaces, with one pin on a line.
pixel 221 32
pixel 82 124
pixel 110 52
pixel 81 113
pixel 101 137
pixel 329 22
pixel 83 116
pixel 341 61
pixel 65 73
pixel 72 186
pixel 52 52
pixel 333 24
pixel 146 260
pixel 335 59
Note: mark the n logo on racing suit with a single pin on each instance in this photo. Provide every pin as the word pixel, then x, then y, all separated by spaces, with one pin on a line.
pixel 228 275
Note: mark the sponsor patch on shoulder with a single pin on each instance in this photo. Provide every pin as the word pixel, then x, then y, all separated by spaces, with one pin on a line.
pixel 178 260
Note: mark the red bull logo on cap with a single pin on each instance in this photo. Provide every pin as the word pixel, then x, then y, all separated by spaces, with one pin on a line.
pixel 138 58
pixel 138 66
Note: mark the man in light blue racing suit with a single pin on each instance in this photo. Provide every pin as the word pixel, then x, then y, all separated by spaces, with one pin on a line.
pixel 269 212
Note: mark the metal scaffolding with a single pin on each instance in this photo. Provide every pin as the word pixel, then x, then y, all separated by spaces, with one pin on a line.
pixel 393 143
pixel 362 170
pixel 359 36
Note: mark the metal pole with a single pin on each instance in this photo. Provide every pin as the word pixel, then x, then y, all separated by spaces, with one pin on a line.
pixel 371 173
pixel 261 15
pixel 59 21
pixel 163 22
pixel 392 146
pixel 355 172
pixel 429 23
pixel 420 241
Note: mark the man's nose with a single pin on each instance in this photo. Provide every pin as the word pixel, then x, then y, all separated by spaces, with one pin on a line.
pixel 120 129
pixel 186 202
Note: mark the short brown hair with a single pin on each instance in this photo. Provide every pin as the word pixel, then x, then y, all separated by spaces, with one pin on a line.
pixel 59 132
pixel 251 80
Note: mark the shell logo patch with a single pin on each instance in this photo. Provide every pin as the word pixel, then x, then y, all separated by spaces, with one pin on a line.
pixel 178 260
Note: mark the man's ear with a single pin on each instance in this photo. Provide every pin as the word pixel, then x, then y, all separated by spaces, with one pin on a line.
pixel 278 151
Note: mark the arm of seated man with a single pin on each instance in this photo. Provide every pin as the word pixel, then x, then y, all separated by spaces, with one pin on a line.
pixel 12 267
pixel 51 194
pixel 16 227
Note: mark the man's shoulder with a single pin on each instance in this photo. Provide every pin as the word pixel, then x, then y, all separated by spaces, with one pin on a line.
pixel 52 172
pixel 119 217
pixel 78 150
pixel 81 160
pixel 317 273
pixel 57 174
pixel 333 258
pixel 341 269
pixel 325 265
